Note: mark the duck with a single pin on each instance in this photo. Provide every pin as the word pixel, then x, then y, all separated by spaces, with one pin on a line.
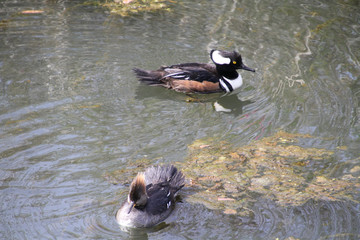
pixel 219 76
pixel 151 198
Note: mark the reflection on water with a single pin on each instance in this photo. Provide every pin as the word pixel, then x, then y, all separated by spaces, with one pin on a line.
pixel 220 101
pixel 72 111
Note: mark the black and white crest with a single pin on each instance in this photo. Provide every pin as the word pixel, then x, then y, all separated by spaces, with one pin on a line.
pixel 219 58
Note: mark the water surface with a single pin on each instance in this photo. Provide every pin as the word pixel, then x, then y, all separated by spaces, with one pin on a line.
pixel 71 110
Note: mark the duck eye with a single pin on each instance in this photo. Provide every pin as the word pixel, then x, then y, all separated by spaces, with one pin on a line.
pixel 234 62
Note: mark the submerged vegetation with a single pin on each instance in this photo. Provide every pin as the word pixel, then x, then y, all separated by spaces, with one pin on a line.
pixel 118 7
pixel 273 168
pixel 128 7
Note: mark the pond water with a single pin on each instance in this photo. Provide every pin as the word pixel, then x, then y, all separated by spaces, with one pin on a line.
pixel 71 111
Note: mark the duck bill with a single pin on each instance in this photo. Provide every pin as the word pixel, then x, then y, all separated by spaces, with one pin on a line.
pixel 247 68
pixel 131 207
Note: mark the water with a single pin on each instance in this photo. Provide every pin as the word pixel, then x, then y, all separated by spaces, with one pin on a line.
pixel 71 110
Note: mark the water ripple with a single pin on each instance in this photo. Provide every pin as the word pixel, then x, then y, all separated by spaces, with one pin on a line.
pixel 314 220
pixel 71 110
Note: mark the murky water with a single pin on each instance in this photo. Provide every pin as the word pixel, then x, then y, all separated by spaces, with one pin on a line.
pixel 71 110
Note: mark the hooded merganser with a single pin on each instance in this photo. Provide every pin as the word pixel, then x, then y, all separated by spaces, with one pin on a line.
pixel 199 77
pixel 151 197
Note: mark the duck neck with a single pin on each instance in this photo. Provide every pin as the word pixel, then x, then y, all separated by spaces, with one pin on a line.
pixel 231 75
pixel 227 72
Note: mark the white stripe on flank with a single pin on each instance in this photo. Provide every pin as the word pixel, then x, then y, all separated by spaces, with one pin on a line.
pixel 177 74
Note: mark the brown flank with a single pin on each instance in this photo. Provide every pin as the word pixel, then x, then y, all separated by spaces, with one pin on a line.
pixel 194 86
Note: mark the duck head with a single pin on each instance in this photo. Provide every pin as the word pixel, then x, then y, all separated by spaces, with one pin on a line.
pixel 227 60
pixel 137 195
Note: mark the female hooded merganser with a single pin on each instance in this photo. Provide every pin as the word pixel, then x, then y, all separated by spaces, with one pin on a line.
pixel 199 77
pixel 151 197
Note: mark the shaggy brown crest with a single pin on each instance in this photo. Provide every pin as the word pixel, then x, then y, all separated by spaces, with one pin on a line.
pixel 137 195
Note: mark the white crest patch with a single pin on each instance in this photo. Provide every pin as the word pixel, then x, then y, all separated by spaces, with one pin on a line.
pixel 218 59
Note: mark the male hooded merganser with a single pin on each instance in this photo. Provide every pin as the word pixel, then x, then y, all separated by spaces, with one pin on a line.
pixel 151 197
pixel 199 77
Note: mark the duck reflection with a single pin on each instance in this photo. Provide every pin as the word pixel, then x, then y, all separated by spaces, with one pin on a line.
pixel 228 103
pixel 142 233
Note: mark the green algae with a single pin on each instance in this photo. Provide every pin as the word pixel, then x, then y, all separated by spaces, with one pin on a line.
pixel 129 7
pixel 273 168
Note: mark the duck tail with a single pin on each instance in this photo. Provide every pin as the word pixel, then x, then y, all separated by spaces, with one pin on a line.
pixel 177 180
pixel 149 77
pixel 167 173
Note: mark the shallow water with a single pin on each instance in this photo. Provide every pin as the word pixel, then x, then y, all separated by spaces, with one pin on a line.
pixel 71 110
